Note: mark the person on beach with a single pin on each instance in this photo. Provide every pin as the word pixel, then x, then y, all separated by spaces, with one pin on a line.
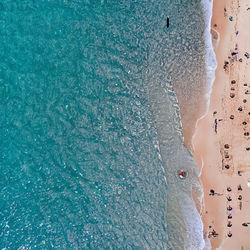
pixel 226 154
pixel 215 126
pixel 229 198
pixel 226 66
pixel 225 11
pixel 212 234
pixel 239 188
pixel 229 189
pixel 229 234
pixel 212 193
pixel 229 208
pixel 240 198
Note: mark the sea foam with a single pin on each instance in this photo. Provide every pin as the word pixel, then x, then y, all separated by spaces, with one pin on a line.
pixel 211 63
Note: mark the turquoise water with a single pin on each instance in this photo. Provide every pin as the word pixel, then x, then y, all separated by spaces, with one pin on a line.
pixel 90 126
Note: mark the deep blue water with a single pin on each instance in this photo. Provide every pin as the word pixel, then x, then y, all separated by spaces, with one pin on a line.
pixel 83 157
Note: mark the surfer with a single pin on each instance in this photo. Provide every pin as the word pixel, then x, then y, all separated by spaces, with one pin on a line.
pixel 167 22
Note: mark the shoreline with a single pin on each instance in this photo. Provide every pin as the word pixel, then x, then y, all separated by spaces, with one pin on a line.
pixel 224 152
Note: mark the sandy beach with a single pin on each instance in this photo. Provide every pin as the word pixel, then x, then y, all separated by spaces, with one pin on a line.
pixel 221 143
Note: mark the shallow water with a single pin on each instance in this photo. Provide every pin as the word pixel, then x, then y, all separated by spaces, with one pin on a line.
pixel 91 138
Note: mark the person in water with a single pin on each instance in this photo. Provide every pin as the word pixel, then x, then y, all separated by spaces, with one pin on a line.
pixel 182 174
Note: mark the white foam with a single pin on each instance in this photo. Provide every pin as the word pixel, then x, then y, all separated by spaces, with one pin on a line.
pixel 211 65
pixel 194 225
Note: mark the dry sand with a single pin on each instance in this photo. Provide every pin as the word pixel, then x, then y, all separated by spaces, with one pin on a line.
pixel 220 143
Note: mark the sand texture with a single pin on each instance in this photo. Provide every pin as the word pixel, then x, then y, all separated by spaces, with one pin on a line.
pixel 221 144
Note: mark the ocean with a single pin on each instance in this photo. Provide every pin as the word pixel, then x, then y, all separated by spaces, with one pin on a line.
pixel 90 132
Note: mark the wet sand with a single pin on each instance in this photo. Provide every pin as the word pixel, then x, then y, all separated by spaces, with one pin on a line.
pixel 221 143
